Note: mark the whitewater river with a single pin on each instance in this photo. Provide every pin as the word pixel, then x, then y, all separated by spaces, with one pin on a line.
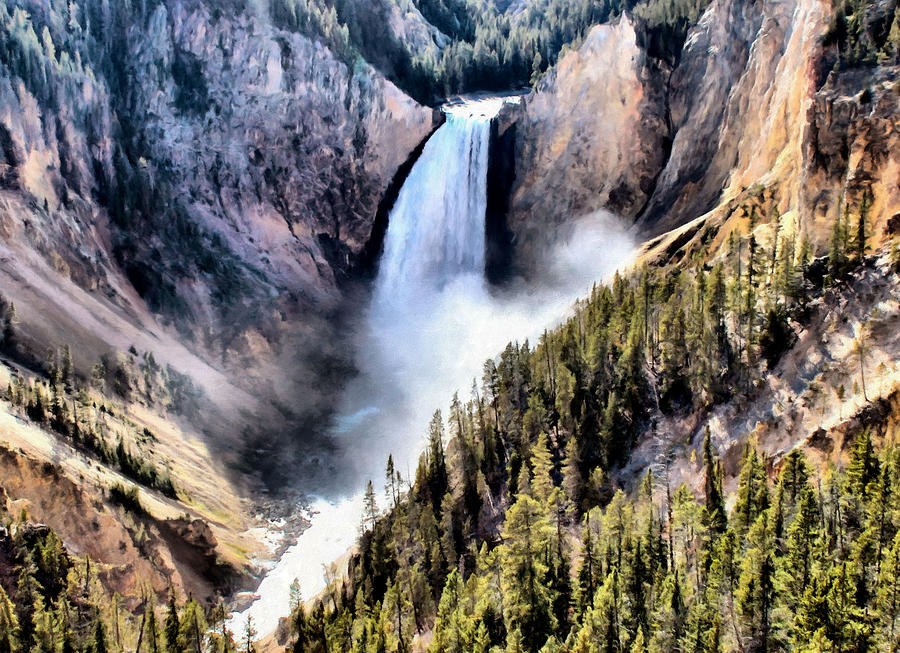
pixel 432 322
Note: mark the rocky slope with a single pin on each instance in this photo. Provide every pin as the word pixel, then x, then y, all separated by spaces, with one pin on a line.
pixel 196 182
pixel 748 101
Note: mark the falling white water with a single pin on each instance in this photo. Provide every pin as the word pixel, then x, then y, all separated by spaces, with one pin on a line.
pixel 436 229
pixel 432 323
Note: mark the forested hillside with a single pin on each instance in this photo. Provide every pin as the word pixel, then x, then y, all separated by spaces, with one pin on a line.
pixel 531 529
pixel 477 45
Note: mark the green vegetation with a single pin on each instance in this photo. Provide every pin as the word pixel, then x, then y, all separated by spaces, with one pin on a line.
pixel 865 32
pixel 513 537
pixel 129 498
pixel 54 602
pixel 805 559
pixel 64 404
pixel 484 46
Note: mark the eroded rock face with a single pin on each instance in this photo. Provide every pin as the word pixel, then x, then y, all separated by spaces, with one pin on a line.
pixel 852 145
pixel 747 105
pixel 592 136
pixel 209 184
pixel 714 60
pixel 282 132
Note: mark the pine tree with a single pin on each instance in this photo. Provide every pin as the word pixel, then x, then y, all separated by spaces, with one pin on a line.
pixel 44 632
pixel 172 626
pixel 863 468
pixel 669 616
pixel 588 569
pixel 674 390
pixel 794 476
pixel 755 592
pixel 28 596
pixel 219 637
pixel 152 629
pixel 837 257
pixel 536 69
pixel 601 626
pixel 714 516
pixel 798 565
pixel 752 494
pixel 390 486
pixel 750 295
pixel 249 635
pixel 888 595
pixel 66 367
pixel 572 482
pixel 880 507
pixel 370 507
pixel 9 624
pixel 98 638
pixel 63 627
pixel 450 626
pixel 192 628
pixel 542 470
pixel 527 599
pixel 436 462
pixel 845 625
pixel 396 613
pixel 10 320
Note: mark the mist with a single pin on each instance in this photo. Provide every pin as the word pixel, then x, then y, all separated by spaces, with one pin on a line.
pixel 419 346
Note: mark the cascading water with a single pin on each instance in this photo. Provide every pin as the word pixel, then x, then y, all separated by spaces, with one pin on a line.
pixel 434 255
pixel 436 229
pixel 431 324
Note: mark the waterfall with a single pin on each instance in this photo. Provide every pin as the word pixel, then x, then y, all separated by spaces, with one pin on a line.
pixel 436 228
pixel 434 248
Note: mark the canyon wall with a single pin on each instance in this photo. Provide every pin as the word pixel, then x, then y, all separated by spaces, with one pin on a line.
pixel 749 103
pixel 592 135
pixel 199 185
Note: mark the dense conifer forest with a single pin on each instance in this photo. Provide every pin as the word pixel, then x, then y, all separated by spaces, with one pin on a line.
pixel 513 535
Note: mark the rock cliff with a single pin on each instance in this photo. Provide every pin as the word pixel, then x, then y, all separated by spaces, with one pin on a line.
pixel 593 135
pixel 199 185
pixel 749 102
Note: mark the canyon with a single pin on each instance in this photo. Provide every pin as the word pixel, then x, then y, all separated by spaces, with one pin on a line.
pixel 213 191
